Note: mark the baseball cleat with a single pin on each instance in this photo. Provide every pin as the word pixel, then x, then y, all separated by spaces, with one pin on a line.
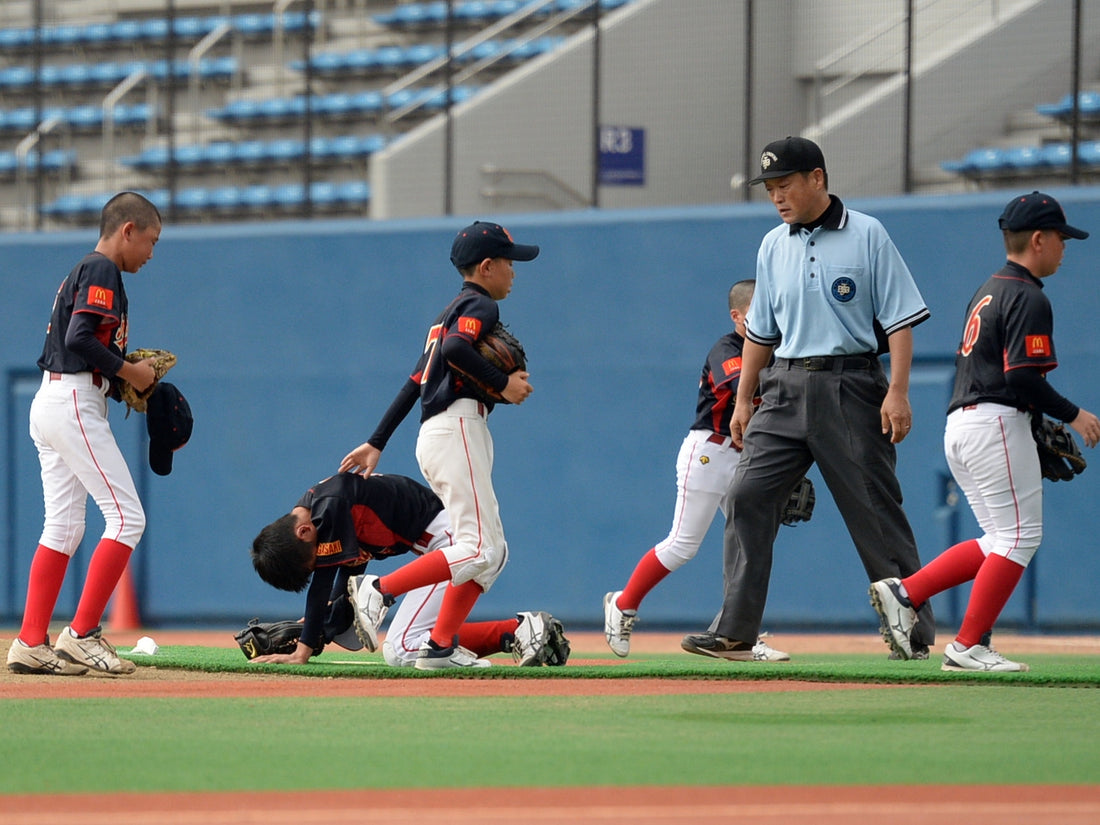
pixel 711 644
pixel 897 615
pixel 92 651
pixel 978 657
pixel 433 657
pixel 369 609
pixel 617 624
pixel 24 658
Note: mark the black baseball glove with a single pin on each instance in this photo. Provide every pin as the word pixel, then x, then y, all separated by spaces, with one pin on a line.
pixel 800 503
pixel 262 638
pixel 1059 457
pixel 501 349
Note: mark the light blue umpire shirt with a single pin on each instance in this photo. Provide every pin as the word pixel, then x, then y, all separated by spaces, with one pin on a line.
pixel 819 292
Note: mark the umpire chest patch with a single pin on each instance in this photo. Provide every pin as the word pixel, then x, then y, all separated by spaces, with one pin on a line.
pixel 844 289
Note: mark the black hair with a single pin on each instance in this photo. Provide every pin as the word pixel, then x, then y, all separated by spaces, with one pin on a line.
pixel 124 207
pixel 281 558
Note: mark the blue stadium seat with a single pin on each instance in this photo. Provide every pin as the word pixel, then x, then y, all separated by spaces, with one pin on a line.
pixel 255 196
pixel 16 39
pixel 287 195
pixel 1088 152
pixel 192 199
pixel 224 198
pixel 1056 155
pixel 1088 104
pixel 1023 158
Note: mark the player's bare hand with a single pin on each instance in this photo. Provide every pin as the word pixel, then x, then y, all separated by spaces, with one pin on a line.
pixel 738 423
pixel 140 374
pixel 518 389
pixel 1087 426
pixel 897 416
pixel 300 656
pixel 362 460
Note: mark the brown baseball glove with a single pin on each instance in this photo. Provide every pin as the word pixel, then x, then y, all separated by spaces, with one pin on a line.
pixel 1060 458
pixel 163 360
pixel 501 349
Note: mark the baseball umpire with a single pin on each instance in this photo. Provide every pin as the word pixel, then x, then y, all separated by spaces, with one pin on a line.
pixel 1006 352
pixel 831 291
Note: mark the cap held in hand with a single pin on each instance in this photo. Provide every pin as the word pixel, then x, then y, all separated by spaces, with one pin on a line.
pixel 169 422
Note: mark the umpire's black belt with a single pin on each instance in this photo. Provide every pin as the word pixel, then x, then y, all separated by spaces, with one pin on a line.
pixel 829 363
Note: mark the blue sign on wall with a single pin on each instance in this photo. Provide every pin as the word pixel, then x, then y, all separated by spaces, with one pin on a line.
pixel 622 156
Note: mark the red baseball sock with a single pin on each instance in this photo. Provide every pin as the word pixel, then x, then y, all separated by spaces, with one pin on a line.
pixel 952 567
pixel 458 601
pixel 47 574
pixel 483 638
pixel 647 575
pixel 992 589
pixel 104 570
pixel 430 569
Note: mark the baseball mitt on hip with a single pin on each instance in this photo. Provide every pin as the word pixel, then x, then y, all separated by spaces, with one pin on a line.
pixel 1059 457
pixel 501 349
pixel 262 638
pixel 800 504
pixel 163 360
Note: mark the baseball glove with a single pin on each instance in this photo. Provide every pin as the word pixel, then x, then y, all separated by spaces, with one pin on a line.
pixel 261 638
pixel 556 651
pixel 800 504
pixel 504 351
pixel 163 360
pixel 1059 457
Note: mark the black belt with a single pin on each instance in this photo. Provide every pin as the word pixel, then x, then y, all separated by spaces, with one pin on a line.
pixel 97 378
pixel 828 363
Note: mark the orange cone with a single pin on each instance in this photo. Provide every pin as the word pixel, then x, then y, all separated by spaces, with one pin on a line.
pixel 124 607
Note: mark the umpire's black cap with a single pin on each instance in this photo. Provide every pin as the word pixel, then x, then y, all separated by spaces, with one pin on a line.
pixel 787 156
pixel 1038 211
pixel 481 240
pixel 169 421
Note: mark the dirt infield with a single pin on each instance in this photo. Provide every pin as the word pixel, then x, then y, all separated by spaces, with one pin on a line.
pixel 650 805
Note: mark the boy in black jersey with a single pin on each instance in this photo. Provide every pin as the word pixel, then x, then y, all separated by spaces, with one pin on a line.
pixel 344 522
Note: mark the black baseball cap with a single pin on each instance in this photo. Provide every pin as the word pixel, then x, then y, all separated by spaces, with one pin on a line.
pixel 481 240
pixel 1038 211
pixel 787 156
pixel 168 419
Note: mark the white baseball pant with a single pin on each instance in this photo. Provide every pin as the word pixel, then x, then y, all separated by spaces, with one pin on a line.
pixel 79 456
pixel 992 456
pixel 704 475
pixel 455 453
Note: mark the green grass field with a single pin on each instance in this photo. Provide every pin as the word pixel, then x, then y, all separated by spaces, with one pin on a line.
pixel 1037 727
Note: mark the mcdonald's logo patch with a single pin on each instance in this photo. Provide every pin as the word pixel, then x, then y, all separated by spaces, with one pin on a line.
pixel 731 365
pixel 100 296
pixel 1038 345
pixel 328 548
pixel 469 326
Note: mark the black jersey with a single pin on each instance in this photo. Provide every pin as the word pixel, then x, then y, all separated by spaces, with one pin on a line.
pixel 359 519
pixel 467 319
pixel 718 385
pixel 1009 325
pixel 94 286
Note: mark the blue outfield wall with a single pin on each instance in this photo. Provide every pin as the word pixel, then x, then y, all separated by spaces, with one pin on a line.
pixel 293 339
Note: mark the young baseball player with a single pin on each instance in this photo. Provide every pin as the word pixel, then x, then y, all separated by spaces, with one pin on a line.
pixel 82 356
pixel 704 473
pixel 344 522
pixel 1006 352
pixel 454 448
